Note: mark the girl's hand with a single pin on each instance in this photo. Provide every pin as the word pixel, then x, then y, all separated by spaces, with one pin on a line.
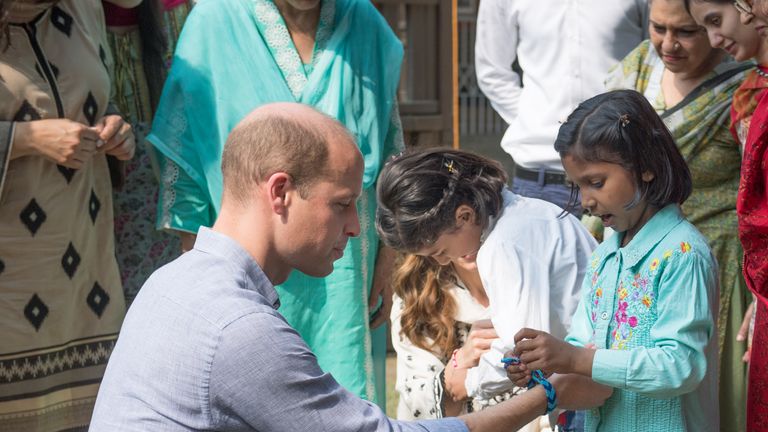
pixel 478 343
pixel 517 373
pixel 539 350
pixel 62 141
pixel 117 135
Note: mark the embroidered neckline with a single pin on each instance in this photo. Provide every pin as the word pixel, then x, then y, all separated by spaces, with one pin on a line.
pixel 278 39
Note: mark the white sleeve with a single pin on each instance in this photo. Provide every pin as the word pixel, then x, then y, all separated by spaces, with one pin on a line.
pixel 534 281
pixel 517 284
pixel 417 370
pixel 495 52
pixel 489 378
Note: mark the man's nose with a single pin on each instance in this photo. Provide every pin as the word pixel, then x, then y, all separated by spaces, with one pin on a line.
pixel 352 227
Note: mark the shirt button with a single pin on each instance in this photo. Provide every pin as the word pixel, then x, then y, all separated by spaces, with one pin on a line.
pixel 604 315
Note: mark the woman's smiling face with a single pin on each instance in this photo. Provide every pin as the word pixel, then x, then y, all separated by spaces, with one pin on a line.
pixel 725 29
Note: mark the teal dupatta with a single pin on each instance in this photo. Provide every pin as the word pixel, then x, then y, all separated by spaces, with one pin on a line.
pixel 235 55
pixel 228 62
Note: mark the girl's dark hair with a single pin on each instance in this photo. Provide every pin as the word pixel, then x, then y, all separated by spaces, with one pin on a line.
pixel 419 193
pixel 621 127
pixel 153 47
pixel 688 3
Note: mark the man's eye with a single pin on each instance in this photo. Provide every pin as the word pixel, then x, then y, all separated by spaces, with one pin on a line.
pixel 596 184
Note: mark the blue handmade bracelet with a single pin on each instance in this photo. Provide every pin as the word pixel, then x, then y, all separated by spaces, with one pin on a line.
pixel 537 377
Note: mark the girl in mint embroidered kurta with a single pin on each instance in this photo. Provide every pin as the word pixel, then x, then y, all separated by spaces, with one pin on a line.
pixel 647 308
pixel 236 55
pixel 645 326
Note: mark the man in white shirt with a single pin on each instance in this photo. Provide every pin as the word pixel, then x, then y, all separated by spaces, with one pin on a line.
pixel 565 49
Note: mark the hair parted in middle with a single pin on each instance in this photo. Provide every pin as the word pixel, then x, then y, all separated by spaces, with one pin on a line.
pixel 419 192
pixel 622 127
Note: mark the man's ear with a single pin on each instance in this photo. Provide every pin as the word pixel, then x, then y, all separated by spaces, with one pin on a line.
pixel 464 214
pixel 279 187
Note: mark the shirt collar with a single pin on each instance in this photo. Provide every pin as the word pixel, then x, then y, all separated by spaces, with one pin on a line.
pixel 215 243
pixel 648 237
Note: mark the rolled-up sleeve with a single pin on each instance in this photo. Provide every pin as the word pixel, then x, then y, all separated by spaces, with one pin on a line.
pixel 676 363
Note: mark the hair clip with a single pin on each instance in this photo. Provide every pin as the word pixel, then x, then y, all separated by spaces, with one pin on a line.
pixel 624 120
pixel 450 167
pixel 394 157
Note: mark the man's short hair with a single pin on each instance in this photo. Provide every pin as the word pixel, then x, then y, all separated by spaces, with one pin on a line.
pixel 273 143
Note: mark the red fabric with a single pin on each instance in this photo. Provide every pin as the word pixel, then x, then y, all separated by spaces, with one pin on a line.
pixel 757 394
pixel 170 4
pixel 750 107
pixel 117 16
pixel 752 201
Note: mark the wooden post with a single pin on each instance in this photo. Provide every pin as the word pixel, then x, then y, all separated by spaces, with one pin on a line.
pixel 455 70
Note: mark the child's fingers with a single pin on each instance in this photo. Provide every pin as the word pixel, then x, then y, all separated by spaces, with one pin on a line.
pixel 524 346
pixel 526 333
pixel 534 360
pixel 517 374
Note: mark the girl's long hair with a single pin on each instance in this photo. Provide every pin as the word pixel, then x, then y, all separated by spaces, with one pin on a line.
pixel 428 310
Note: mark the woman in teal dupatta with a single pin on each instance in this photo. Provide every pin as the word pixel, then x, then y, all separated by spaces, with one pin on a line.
pixel 235 55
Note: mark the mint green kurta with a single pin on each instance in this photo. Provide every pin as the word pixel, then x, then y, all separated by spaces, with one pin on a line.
pixel 235 55
pixel 649 308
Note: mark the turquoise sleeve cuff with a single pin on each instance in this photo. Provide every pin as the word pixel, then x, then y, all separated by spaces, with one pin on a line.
pixel 609 367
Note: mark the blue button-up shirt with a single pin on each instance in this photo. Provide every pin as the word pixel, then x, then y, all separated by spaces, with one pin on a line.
pixel 204 348
pixel 648 307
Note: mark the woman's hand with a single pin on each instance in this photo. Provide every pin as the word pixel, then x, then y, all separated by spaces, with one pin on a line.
pixel 540 350
pixel 454 382
pixel 61 141
pixel 478 343
pixel 117 135
pixel 745 331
